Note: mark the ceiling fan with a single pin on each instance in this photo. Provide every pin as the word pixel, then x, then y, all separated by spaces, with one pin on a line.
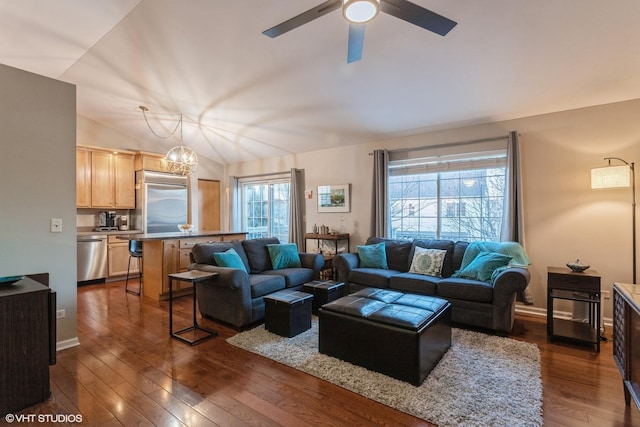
pixel 358 12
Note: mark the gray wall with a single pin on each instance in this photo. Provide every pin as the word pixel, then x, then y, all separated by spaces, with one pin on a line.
pixel 37 170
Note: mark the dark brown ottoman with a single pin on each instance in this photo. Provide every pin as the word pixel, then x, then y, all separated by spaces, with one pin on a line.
pixel 323 291
pixel 400 335
pixel 287 313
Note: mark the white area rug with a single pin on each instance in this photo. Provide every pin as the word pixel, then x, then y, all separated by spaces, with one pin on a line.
pixel 482 380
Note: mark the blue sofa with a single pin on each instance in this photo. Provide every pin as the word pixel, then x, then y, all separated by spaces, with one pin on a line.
pixel 236 295
pixel 486 304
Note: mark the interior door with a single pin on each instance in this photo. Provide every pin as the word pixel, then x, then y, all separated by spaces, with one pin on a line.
pixel 209 206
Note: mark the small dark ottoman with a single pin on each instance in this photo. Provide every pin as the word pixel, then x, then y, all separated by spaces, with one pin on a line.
pixel 400 335
pixel 287 313
pixel 323 291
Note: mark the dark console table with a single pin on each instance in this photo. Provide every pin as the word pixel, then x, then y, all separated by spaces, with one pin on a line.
pixel 27 343
pixel 626 338
pixel 564 284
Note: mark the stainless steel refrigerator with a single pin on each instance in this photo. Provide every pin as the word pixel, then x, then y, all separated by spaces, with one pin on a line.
pixel 161 202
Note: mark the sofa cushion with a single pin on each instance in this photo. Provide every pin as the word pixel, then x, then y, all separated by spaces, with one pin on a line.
pixel 375 277
pixel 465 289
pixel 257 253
pixel 427 261
pixel 483 265
pixel 445 245
pixel 397 251
pixel 414 283
pixel 264 284
pixel 373 256
pixel 284 255
pixel 230 259
pixel 203 252
pixel 292 276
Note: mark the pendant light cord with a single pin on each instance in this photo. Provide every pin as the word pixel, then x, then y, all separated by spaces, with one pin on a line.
pixel 144 113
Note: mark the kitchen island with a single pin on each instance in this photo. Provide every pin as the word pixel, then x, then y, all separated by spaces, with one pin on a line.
pixel 167 253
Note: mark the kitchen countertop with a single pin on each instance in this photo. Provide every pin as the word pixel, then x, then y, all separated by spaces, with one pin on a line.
pixel 177 235
pixel 89 231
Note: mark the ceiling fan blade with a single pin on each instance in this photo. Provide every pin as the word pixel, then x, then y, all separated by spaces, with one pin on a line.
pixel 303 18
pixel 356 42
pixel 418 15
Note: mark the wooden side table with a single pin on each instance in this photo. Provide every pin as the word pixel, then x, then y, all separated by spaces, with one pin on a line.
pixel 564 284
pixel 328 272
pixel 192 276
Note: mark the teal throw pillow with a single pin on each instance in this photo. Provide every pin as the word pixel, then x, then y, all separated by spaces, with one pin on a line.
pixel 284 255
pixel 483 265
pixel 230 259
pixel 373 256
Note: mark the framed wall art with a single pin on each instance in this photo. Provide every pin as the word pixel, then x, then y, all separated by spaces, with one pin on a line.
pixel 334 198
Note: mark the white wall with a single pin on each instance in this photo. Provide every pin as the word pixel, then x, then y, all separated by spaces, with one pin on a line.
pixel 37 167
pixel 564 218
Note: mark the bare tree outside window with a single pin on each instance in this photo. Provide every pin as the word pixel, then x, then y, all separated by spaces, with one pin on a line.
pixel 458 205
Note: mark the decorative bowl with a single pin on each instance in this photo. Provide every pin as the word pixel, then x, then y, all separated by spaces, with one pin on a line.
pixel 185 228
pixel 577 266
pixel 10 280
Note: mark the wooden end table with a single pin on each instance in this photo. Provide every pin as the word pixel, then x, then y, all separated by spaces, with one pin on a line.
pixel 192 276
pixel 564 284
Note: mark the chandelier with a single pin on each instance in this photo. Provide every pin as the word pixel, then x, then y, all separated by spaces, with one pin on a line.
pixel 181 160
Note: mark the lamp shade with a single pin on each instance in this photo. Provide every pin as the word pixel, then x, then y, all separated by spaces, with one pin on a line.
pixel 359 11
pixel 611 177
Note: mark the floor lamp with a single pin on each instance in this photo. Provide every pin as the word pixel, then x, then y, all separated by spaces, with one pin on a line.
pixel 622 176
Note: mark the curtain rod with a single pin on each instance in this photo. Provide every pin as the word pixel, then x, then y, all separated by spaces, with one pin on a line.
pixel 262 175
pixel 448 144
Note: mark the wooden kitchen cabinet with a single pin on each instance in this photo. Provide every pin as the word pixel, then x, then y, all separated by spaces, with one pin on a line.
pixel 118 258
pixel 151 162
pixel 104 180
pixel 83 178
pixel 112 180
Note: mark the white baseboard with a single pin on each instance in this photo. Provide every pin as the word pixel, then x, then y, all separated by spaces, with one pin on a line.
pixel 542 312
pixel 61 345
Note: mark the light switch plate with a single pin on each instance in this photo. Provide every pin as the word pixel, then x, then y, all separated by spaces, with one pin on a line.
pixel 56 225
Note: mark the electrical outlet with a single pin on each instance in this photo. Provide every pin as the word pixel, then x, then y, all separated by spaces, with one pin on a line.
pixel 606 295
pixel 60 314
pixel 56 225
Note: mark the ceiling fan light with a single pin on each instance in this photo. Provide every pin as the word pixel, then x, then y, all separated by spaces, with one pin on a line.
pixel 359 11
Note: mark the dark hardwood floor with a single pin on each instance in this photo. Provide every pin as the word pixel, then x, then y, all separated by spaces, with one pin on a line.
pixel 127 371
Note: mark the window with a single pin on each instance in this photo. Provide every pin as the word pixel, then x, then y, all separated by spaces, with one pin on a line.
pixel 265 207
pixel 456 197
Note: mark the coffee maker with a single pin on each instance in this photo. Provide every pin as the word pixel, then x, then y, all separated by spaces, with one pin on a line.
pixel 107 221
pixel 111 220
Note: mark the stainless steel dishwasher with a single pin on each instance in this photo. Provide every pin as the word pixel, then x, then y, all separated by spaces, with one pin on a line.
pixel 92 257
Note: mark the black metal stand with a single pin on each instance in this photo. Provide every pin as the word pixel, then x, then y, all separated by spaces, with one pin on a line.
pixel 192 276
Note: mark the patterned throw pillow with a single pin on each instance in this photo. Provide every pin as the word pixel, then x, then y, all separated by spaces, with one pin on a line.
pixel 427 261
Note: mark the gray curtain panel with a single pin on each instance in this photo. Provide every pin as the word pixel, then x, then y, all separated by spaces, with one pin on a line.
pixel 379 207
pixel 512 227
pixel 296 208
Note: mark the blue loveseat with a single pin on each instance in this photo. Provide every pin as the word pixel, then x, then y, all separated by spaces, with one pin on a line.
pixel 236 295
pixel 488 303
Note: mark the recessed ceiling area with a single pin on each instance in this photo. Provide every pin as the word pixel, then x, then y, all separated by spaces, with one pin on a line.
pixel 245 96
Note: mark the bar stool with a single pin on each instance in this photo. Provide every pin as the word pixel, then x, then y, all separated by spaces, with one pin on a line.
pixel 135 251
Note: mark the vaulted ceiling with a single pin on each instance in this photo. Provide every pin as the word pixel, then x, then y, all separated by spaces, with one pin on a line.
pixel 245 96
